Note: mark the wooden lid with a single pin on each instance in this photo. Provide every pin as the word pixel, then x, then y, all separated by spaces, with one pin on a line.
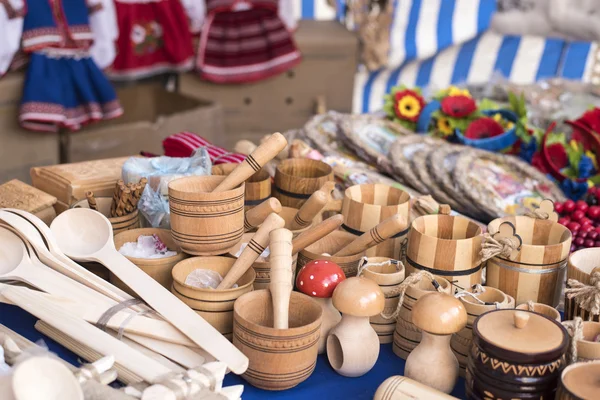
pixel 358 296
pixel 16 194
pixel 583 380
pixel 439 313
pixel 520 336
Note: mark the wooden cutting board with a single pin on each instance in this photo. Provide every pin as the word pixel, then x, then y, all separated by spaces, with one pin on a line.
pixel 17 194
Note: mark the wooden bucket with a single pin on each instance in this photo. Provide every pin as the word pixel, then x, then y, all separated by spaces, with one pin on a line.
pixel 119 224
pixel 159 269
pixel 365 206
pixel 580 266
pixel 288 214
pixel 446 246
pixel 279 358
pixel 215 306
pixel 330 244
pixel 388 277
pixel 542 309
pixel 260 266
pixel 406 335
pixel 462 341
pixel 202 222
pixel 580 382
pixel 539 270
pixel 258 186
pixel 297 178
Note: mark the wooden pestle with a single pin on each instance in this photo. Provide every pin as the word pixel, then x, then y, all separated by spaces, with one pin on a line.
pixel 281 276
pixel 255 216
pixel 309 210
pixel 256 246
pixel 385 230
pixel 253 162
pixel 316 232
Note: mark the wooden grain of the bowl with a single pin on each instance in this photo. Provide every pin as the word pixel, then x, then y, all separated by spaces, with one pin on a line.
pixel 330 244
pixel 258 186
pixel 297 178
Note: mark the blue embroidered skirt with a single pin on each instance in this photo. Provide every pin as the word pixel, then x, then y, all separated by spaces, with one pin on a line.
pixel 65 89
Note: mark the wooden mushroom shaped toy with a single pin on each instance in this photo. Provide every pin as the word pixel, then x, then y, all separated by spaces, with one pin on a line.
pixel 438 315
pixel 353 345
pixel 318 279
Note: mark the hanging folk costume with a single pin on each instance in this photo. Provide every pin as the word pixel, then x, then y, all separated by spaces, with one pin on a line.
pixel 245 40
pixel 64 88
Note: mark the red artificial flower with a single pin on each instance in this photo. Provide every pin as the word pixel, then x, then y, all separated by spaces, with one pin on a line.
pixel 558 155
pixel 538 162
pixel 591 119
pixel 408 105
pixel 458 106
pixel 582 137
pixel 483 128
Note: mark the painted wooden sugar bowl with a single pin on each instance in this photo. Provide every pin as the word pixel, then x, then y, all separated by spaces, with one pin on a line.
pixel 515 355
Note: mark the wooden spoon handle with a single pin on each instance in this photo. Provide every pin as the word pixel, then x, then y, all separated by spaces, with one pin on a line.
pixel 256 246
pixel 316 232
pixel 281 276
pixel 253 162
pixel 255 216
pixel 386 229
pixel 309 210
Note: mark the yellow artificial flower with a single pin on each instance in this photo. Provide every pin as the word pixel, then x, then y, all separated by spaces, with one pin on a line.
pixel 444 127
pixel 409 107
pixel 590 184
pixel 498 118
pixel 592 157
pixel 509 125
pixel 574 145
pixel 455 91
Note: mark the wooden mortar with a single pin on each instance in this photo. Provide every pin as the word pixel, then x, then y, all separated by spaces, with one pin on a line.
pixel 297 178
pixel 257 187
pixel 330 244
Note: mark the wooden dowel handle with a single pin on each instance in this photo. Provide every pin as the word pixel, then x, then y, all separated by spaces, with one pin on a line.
pixel 255 216
pixel 258 243
pixel 385 230
pixel 316 232
pixel 253 162
pixel 309 210
pixel 281 276
pixel 91 200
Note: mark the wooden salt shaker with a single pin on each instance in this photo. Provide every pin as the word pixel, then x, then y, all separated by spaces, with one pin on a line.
pixel 438 315
pixel 281 276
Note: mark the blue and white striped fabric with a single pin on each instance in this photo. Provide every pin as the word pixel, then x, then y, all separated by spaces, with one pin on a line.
pixel 581 62
pixel 520 59
pixel 316 9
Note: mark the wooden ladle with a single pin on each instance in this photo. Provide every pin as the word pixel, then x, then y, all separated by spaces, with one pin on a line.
pixel 385 230
pixel 86 235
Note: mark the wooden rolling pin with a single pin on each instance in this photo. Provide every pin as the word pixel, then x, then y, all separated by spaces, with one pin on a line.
pixel 256 246
pixel 253 162
pixel 255 216
pixel 309 210
pixel 281 276
pixel 385 230
pixel 316 232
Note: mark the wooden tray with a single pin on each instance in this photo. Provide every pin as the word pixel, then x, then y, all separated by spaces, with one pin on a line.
pixel 401 154
pixel 421 168
pixel 16 194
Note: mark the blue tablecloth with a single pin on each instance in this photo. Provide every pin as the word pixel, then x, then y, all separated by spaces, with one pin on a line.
pixel 323 384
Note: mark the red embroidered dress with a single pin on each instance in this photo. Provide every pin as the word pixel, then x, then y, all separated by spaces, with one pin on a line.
pixel 244 41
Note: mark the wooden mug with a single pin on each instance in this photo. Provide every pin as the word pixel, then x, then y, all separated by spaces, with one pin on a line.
pixel 296 179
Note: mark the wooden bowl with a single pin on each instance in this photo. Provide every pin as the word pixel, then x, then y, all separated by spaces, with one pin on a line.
pixel 588 349
pixel 297 178
pixel 159 269
pixel 580 266
pixel 539 270
pixel 330 244
pixel 279 358
pixel 258 186
pixel 202 222
pixel 579 382
pixel 215 306
pixel 288 214
pixel 543 309
pixel 119 224
pixel 262 268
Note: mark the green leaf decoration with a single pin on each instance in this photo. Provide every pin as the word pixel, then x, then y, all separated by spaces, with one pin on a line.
pixel 487 104
pixel 595 180
pixel 557 137
pixel 574 153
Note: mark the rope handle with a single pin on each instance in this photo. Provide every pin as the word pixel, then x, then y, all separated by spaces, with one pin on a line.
pixel 544 211
pixel 401 290
pixel 505 243
pixel 364 264
pixel 586 296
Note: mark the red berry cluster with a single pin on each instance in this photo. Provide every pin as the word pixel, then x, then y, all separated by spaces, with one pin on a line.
pixel 583 220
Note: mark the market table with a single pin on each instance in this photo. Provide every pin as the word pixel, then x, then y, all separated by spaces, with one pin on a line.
pixel 324 383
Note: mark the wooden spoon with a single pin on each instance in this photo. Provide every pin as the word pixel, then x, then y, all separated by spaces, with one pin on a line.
pixel 385 230
pixel 309 210
pixel 86 235
pixel 281 276
pixel 316 232
pixel 46 378
pixel 258 243
pixel 253 162
pixel 255 216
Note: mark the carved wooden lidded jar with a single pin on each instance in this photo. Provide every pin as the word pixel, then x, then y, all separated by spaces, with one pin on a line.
pixel 515 355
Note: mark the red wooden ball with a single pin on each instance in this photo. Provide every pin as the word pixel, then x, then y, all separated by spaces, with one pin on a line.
pixel 319 278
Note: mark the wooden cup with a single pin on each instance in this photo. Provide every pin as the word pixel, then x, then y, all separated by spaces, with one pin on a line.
pixel 579 382
pixel 580 267
pixel 119 224
pixel 296 179
pixel 203 222
pixel 215 306
pixel 257 187
pixel 330 244
pixel 587 348
pixel 158 268
pixel 543 309
pixel 279 358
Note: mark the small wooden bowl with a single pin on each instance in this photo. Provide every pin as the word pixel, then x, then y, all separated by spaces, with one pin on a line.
pixel 158 268
pixel 119 224
pixel 258 186
pixel 297 178
pixel 262 268
pixel 543 309
pixel 203 222
pixel 579 381
pixel 330 244
pixel 580 267
pixel 588 349
pixel 279 358
pixel 288 214
pixel 215 306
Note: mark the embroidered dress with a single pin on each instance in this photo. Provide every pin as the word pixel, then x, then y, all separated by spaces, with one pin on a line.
pixel 154 37
pixel 244 41
pixel 64 88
